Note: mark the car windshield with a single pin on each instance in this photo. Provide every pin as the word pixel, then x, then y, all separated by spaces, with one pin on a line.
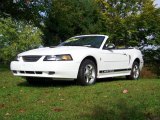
pixel 88 41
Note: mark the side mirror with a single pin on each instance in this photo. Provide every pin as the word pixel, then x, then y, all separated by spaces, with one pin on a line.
pixel 110 46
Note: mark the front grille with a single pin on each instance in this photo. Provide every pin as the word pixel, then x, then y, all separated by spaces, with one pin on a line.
pixel 22 72
pixel 30 72
pixel 32 58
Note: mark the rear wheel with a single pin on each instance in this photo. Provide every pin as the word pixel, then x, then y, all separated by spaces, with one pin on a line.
pixel 135 72
pixel 87 73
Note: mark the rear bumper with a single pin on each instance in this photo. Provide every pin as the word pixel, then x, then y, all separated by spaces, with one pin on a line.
pixel 49 69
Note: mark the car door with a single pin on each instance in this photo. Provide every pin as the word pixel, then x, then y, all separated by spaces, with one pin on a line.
pixel 114 61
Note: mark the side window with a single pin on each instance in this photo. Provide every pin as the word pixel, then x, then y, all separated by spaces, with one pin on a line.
pixel 118 44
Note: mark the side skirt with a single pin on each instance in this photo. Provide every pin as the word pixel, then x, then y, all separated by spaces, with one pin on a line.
pixel 113 73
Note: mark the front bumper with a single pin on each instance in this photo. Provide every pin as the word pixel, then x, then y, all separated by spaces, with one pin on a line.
pixel 49 69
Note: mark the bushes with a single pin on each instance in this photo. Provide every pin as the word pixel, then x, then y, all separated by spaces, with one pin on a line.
pixel 16 37
pixel 152 60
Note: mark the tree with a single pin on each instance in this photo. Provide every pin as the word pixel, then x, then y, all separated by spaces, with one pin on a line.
pixel 136 23
pixel 117 15
pixel 132 21
pixel 25 10
pixel 149 23
pixel 150 34
pixel 67 18
pixel 16 37
pixel 58 19
pixel 152 58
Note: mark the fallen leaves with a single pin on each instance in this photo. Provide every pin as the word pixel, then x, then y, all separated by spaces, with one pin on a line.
pixel 105 96
pixel 7 114
pixel 41 101
pixel 61 99
pixel 2 106
pixel 22 110
pixel 21 90
pixel 57 109
pixel 125 91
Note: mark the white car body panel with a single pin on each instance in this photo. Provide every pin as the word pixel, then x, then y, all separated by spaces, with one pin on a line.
pixel 113 59
pixel 110 63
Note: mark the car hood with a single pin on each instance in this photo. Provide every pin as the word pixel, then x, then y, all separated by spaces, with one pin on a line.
pixel 56 50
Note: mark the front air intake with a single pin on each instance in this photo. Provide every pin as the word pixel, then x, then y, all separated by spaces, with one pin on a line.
pixel 33 58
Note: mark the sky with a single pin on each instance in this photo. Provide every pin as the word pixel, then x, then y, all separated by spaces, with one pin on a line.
pixel 157 2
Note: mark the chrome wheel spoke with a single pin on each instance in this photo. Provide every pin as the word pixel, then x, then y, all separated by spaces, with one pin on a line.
pixel 92 77
pixel 90 68
pixel 136 72
pixel 89 73
pixel 87 77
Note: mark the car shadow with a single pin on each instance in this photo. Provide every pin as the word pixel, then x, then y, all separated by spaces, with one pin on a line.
pixel 61 83
pixel 111 79
pixel 48 83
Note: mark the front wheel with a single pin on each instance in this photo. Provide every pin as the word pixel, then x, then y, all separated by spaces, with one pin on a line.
pixel 87 73
pixel 135 72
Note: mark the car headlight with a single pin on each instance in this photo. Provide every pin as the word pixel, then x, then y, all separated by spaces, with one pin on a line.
pixel 65 57
pixel 17 58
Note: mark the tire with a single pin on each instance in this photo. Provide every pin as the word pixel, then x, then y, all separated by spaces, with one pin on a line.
pixel 87 74
pixel 135 72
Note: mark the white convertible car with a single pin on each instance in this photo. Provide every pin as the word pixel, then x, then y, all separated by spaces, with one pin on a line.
pixel 83 58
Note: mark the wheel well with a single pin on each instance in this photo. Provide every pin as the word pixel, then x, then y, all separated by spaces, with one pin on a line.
pixel 137 60
pixel 91 58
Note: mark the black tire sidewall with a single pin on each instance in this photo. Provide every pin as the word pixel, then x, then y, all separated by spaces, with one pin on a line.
pixel 81 78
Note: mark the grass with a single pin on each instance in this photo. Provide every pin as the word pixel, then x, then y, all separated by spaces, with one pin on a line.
pixel 66 101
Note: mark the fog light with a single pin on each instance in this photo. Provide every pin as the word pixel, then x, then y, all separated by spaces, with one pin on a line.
pixel 51 73
pixel 14 71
